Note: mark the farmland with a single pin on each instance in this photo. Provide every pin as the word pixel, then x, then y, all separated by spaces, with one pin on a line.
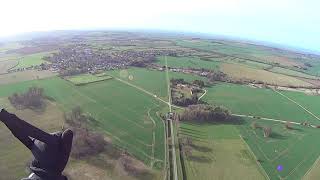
pixel 86 79
pixel 25 76
pixel 245 72
pixel 31 60
pixel 110 114
pixel 258 102
pixel 284 148
pixel 120 79
pixel 187 62
pixel 219 153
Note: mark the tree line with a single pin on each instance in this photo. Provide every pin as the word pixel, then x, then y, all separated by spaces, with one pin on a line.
pixel 205 113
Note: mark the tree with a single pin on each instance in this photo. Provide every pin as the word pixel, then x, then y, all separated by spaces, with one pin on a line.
pixel 254 125
pixel 267 131
pixel 198 83
pixel 288 125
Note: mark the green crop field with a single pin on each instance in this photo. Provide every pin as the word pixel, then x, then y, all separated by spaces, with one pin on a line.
pixel 86 79
pixel 295 150
pixel 245 100
pixel 31 60
pixel 189 62
pixel 114 105
pixel 218 153
pixel 153 81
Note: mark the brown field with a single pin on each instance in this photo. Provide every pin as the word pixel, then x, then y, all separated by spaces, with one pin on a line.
pixel 24 76
pixel 5 65
pixel 239 72
pixel 281 60
pixel 312 81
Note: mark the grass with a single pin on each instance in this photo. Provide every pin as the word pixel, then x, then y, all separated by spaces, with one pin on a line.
pixel 292 73
pixel 114 106
pixel 294 149
pixel 241 99
pixel 188 62
pixel 86 79
pixel 218 153
pixel 244 72
pixel 31 60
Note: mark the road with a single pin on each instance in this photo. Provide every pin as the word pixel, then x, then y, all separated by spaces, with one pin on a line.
pixel 205 92
pixel 173 146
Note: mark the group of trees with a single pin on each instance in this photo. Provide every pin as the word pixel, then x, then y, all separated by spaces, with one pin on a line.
pixel 184 101
pixel 32 99
pixel 205 113
pixel 85 141
pixel 218 76
pixel 267 131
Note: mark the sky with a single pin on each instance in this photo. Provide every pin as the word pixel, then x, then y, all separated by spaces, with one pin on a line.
pixel 295 23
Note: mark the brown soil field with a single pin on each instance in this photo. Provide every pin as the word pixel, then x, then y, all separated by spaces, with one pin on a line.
pixel 241 72
pixel 5 65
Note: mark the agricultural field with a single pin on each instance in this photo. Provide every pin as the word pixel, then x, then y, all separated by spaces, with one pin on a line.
pixel 138 117
pixel 292 73
pixel 150 80
pixel 129 99
pixel 27 75
pixel 239 72
pixel 283 148
pixel 188 62
pixel 86 79
pixel 31 60
pixel 241 99
pixel 6 65
pixel 218 153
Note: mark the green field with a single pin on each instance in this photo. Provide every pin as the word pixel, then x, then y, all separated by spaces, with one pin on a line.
pixel 114 105
pixel 188 62
pixel 218 153
pixel 294 149
pixel 86 79
pixel 31 60
pixel 150 80
pixel 245 100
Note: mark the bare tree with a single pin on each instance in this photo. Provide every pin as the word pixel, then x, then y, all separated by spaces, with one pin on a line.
pixel 254 125
pixel 267 131
pixel 288 125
